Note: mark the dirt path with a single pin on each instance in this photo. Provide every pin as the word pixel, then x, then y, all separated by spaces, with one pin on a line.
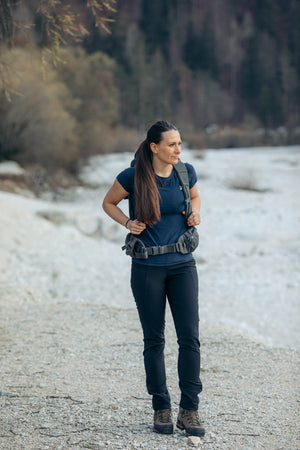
pixel 72 377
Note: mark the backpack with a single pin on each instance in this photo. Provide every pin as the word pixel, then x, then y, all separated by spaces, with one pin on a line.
pixel 186 243
pixel 183 177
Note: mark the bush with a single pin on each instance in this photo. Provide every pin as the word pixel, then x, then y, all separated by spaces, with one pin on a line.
pixel 35 126
pixel 95 105
pixel 90 78
pixel 67 115
pixel 101 138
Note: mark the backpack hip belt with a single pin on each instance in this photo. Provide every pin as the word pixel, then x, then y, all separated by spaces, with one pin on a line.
pixel 186 243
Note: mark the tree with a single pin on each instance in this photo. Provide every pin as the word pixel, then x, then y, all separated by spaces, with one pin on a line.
pixel 155 25
pixel 57 19
pixel 199 49
pixel 269 105
pixel 251 71
pixel 36 127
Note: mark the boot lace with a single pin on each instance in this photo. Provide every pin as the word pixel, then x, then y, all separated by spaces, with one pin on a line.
pixel 192 418
pixel 164 415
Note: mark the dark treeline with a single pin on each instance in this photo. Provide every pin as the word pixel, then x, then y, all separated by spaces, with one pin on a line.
pixel 226 72
pixel 200 62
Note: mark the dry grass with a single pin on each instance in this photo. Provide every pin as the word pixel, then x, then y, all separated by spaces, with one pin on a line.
pixel 247 182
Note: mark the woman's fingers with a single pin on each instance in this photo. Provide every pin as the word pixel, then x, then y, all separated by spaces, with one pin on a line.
pixel 136 227
pixel 194 219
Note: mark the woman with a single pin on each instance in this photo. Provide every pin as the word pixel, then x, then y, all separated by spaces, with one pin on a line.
pixel 159 220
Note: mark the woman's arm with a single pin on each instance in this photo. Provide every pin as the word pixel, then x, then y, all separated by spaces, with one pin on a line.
pixel 113 197
pixel 194 218
pixel 195 199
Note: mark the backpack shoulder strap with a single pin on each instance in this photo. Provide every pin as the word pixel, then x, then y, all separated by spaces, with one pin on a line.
pixel 183 176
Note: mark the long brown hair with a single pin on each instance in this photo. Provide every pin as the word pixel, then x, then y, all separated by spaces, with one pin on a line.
pixel 146 191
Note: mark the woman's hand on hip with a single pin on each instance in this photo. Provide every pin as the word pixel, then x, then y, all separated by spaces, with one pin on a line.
pixel 136 227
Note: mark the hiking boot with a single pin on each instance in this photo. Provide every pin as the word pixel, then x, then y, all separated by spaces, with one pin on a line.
pixel 189 421
pixel 163 421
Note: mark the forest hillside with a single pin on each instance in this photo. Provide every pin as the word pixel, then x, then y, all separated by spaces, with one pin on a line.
pixel 226 72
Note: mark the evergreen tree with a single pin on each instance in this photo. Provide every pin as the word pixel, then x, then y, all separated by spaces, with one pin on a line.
pixel 155 25
pixel 264 13
pixel 199 50
pixel 293 30
pixel 269 105
pixel 251 72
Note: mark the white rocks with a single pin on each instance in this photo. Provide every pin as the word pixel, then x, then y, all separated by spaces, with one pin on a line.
pixel 11 168
pixel 86 224
pixel 90 226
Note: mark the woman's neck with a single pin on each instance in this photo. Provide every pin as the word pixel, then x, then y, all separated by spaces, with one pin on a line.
pixel 162 169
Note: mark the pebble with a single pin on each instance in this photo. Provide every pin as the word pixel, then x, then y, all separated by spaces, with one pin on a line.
pixel 194 441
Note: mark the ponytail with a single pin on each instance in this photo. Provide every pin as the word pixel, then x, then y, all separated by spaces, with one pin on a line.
pixel 146 191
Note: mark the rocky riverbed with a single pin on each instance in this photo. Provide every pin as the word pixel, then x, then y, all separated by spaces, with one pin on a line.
pixel 72 374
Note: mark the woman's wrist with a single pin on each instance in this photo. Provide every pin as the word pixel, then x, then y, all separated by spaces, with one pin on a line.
pixel 126 223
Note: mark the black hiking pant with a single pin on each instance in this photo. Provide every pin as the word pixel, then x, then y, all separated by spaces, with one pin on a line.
pixel 151 286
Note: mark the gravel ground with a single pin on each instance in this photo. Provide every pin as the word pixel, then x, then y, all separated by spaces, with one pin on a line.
pixel 73 377
pixel 71 369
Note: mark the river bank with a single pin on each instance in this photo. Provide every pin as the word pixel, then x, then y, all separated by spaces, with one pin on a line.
pixel 71 347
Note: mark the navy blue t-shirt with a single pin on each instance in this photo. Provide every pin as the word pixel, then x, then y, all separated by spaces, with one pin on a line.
pixel 171 224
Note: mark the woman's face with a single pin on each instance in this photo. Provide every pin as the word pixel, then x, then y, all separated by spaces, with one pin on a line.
pixel 169 148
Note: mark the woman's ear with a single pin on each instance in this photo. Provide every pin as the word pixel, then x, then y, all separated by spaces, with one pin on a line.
pixel 153 147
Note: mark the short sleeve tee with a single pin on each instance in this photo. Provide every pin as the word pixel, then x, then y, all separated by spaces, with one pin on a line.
pixel 171 224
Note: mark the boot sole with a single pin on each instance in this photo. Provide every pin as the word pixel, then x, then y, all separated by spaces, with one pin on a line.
pixel 195 433
pixel 164 429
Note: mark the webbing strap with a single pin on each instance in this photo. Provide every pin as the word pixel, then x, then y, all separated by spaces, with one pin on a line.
pixel 184 181
pixel 162 249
